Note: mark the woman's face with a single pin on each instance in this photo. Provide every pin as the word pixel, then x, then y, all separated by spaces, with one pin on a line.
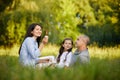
pixel 67 45
pixel 37 31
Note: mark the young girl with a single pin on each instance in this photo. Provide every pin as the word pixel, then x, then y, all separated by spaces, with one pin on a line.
pixel 65 53
pixel 30 49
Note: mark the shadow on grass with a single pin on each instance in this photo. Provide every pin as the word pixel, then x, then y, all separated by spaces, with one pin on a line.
pixel 98 69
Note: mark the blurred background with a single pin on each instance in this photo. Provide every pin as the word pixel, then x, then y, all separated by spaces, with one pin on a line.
pixel 99 19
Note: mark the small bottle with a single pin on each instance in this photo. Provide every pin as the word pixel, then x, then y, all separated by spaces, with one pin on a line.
pixel 46 35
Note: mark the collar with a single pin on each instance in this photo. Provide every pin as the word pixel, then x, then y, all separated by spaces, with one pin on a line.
pixel 77 52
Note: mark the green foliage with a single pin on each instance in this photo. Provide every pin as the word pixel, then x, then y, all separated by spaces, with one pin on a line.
pixel 105 31
pixel 61 18
pixel 4 4
pixel 66 19
pixel 104 35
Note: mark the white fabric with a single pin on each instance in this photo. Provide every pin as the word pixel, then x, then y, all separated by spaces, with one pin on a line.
pixel 52 61
pixel 64 62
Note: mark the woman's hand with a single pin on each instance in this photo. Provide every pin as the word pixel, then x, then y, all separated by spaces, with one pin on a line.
pixel 45 40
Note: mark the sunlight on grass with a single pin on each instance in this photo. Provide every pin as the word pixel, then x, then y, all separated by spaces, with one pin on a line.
pixel 105 52
pixel 11 52
pixel 102 53
pixel 50 50
pixel 107 58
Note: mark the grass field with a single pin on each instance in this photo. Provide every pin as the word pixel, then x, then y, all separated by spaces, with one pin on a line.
pixel 104 65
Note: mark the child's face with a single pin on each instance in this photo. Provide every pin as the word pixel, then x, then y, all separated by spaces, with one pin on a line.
pixel 67 45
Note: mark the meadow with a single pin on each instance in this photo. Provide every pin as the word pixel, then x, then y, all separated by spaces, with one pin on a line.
pixel 104 65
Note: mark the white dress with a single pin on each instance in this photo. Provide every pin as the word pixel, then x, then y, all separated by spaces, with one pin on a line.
pixel 65 59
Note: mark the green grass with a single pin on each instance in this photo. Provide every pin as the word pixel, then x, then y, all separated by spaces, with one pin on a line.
pixel 104 65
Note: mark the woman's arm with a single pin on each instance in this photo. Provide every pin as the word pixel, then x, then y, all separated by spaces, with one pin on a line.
pixel 44 41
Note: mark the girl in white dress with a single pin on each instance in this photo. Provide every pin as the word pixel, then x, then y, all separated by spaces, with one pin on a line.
pixel 65 53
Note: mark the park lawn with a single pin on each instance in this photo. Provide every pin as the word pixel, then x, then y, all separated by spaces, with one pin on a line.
pixel 104 65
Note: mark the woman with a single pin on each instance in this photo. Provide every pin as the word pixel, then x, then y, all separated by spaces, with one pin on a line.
pixel 65 53
pixel 30 49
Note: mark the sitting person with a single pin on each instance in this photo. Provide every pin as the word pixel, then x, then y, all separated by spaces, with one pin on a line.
pixel 65 53
pixel 81 54
pixel 30 49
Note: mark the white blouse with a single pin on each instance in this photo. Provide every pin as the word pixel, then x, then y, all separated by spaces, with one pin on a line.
pixel 65 59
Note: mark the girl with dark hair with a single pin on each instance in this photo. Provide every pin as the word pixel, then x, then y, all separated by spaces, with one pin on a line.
pixel 30 49
pixel 65 53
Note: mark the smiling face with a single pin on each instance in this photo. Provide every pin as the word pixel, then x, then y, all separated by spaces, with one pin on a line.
pixel 37 31
pixel 67 45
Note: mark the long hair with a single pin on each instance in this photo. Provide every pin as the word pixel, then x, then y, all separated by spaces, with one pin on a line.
pixel 29 34
pixel 61 50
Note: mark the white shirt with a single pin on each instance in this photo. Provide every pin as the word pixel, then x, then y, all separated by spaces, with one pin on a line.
pixel 65 59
